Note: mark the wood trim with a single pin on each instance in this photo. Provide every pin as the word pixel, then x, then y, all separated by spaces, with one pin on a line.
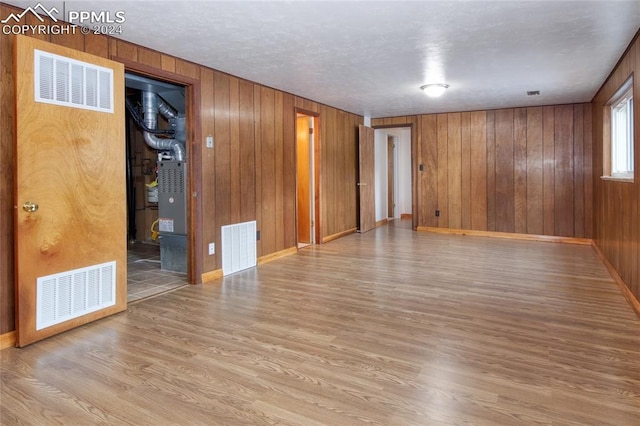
pixel 406 216
pixel 210 276
pixel 626 292
pixel 303 111
pixel 277 255
pixel 507 235
pixel 194 160
pixel 338 235
pixel 7 340
pixel 382 222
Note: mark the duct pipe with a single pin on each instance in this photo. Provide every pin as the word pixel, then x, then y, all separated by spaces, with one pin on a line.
pixel 165 109
pixel 150 110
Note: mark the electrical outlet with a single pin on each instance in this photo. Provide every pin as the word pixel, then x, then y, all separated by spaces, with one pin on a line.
pixel 209 141
pixel 437 213
pixel 212 248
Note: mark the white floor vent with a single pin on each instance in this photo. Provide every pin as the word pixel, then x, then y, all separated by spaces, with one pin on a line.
pixel 71 294
pixel 238 247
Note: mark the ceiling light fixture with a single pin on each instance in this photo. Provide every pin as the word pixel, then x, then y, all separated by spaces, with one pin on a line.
pixel 434 90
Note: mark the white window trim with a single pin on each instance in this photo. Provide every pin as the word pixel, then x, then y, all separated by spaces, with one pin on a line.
pixel 622 99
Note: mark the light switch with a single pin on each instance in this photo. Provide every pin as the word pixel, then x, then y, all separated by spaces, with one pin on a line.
pixel 209 141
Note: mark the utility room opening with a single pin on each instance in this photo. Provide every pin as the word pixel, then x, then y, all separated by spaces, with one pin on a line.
pixel 156 186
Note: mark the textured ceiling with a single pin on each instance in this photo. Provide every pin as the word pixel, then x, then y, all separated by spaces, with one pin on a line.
pixel 371 58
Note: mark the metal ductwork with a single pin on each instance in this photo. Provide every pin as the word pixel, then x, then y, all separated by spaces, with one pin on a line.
pixel 151 106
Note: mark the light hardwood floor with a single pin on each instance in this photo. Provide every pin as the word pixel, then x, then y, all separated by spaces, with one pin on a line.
pixel 390 327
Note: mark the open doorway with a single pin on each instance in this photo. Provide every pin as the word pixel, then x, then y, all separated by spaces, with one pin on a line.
pixel 393 174
pixel 306 179
pixel 156 186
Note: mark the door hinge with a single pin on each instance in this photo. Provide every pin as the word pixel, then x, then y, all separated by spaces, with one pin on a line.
pixel 310 130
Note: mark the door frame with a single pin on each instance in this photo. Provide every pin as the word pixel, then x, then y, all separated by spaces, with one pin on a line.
pixel 317 174
pixel 414 176
pixel 391 176
pixel 194 180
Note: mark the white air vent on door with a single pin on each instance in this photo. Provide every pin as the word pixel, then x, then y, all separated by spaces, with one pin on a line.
pixel 238 247
pixel 68 82
pixel 71 294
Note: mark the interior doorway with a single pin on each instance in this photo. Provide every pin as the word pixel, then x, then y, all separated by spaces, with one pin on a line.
pixel 391 177
pixel 157 180
pixel 306 179
pixel 393 174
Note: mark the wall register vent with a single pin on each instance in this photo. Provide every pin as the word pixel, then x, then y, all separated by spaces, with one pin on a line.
pixel 68 82
pixel 238 247
pixel 71 294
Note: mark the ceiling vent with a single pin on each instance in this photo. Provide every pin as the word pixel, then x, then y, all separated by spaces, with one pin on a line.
pixel 533 93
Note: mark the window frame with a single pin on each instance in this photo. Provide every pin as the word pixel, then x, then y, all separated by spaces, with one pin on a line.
pixel 617 166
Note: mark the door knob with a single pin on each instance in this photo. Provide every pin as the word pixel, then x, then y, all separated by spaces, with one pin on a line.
pixel 30 207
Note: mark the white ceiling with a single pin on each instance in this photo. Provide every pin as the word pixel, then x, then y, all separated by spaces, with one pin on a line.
pixel 371 58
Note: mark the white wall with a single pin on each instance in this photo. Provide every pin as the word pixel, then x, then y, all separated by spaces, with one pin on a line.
pixel 380 138
pixel 402 168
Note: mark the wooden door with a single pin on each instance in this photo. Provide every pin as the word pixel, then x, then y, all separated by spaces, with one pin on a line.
pixel 70 228
pixel 390 177
pixel 303 154
pixel 366 179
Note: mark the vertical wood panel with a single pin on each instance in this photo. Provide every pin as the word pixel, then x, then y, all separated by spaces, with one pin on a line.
pixel 96 44
pixel 247 153
pixel 257 116
pixel 505 203
pixel 429 174
pixel 534 172
pixel 548 191
pixel 279 187
pixel 588 171
pixel 443 187
pixel 454 173
pixel 465 184
pixel 188 69
pixel 289 171
pixel 268 140
pixel 168 63
pixel 478 141
pixel 149 57
pixel 7 169
pixel 126 50
pixel 491 170
pixel 234 149
pixel 520 169
pixel 578 170
pixel 222 133
pixel 563 180
pixel 207 116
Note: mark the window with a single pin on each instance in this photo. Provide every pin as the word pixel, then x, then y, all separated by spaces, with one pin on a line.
pixel 621 136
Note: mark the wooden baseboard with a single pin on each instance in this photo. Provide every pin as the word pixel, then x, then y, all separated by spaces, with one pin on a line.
pixel 338 235
pixel 626 292
pixel 406 216
pixel 216 274
pixel 507 235
pixel 7 340
pixel 277 255
pixel 207 277
pixel 381 222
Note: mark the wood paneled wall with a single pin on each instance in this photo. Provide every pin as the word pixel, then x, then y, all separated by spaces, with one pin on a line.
pixel 250 174
pixel 617 204
pixel 522 170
